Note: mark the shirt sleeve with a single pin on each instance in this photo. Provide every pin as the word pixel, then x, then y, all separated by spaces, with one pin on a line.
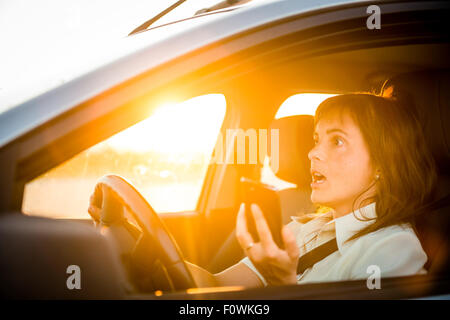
pixel 399 254
pixel 250 265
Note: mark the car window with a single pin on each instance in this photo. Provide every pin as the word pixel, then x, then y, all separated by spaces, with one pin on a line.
pixel 297 104
pixel 165 156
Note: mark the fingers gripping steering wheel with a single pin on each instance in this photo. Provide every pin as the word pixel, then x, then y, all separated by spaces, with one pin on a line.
pixel 162 243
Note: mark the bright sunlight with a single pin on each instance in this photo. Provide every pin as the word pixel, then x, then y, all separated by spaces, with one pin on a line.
pixel 165 156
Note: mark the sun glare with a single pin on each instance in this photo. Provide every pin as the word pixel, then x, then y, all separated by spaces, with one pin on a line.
pixel 173 128
pixel 165 156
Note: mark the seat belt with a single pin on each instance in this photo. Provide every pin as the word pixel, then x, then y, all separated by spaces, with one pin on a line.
pixel 315 255
pixel 310 258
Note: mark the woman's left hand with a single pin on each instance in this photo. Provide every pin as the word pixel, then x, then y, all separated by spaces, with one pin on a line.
pixel 276 265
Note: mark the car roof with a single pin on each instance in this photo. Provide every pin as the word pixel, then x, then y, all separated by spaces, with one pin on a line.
pixel 141 52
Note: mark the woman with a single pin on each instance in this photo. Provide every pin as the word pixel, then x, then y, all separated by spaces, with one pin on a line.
pixel 370 165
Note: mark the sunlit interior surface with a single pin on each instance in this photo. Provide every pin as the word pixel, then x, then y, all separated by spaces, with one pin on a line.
pixel 165 157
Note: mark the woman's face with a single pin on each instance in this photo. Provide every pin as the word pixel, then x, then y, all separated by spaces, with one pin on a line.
pixel 340 164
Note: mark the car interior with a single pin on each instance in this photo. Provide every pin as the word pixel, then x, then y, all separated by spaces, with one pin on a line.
pixel 418 69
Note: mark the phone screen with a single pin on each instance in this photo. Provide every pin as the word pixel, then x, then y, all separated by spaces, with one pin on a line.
pixel 266 197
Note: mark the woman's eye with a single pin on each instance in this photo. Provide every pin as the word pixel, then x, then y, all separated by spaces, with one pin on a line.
pixel 338 141
pixel 316 139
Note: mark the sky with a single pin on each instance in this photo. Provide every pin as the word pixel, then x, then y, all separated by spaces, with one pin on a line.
pixel 38 39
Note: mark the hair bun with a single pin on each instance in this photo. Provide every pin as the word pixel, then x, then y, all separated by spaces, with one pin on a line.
pixel 393 92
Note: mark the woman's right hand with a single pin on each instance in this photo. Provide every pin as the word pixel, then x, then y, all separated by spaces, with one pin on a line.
pixel 95 204
pixel 276 265
pixel 105 205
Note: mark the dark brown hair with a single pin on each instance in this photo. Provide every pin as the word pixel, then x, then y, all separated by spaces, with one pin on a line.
pixel 397 149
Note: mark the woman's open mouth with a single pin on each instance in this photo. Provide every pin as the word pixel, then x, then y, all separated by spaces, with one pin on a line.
pixel 317 178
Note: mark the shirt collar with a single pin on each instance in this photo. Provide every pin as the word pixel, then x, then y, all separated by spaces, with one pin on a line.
pixel 349 224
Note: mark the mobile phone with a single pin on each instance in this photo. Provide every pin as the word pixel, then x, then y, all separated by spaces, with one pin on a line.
pixel 266 197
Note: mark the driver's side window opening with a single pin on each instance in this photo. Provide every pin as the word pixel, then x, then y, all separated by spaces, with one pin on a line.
pixel 297 104
pixel 165 157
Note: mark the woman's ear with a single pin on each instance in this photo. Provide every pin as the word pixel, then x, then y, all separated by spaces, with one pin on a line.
pixel 377 174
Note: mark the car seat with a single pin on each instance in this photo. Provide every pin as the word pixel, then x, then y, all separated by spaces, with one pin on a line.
pixel 295 142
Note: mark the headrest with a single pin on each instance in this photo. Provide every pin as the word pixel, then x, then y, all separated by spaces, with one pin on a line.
pixel 429 92
pixel 295 141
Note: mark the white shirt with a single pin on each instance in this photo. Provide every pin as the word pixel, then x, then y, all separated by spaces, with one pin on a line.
pixel 396 250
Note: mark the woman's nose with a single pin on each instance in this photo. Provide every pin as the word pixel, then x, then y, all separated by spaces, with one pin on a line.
pixel 314 154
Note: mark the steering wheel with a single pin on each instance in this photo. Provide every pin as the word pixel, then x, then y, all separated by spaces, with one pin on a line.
pixel 154 231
